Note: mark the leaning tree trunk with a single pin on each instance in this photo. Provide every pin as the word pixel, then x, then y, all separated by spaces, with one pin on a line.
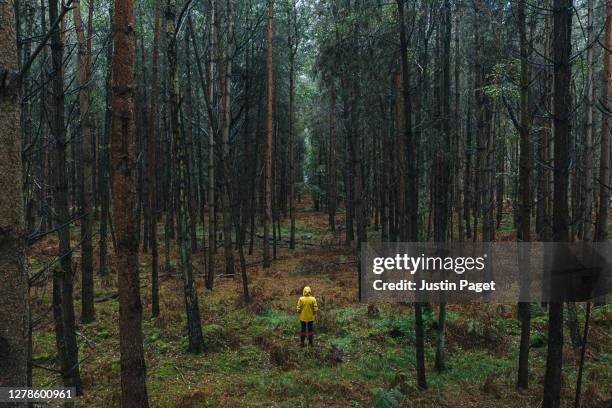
pixel 14 311
pixel 194 327
pixel 133 371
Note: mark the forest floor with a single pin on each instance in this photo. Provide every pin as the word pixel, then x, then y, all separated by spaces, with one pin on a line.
pixel 363 355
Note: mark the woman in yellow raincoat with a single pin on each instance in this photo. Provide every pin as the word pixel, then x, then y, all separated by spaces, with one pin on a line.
pixel 307 309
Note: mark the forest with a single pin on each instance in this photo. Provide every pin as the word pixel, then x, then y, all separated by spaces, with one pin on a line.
pixel 175 172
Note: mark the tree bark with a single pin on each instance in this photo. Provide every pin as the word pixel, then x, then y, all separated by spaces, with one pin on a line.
pixel 194 326
pixel 331 184
pixel 587 205
pixel 152 167
pixel 604 158
pixel 525 169
pixel 86 199
pixel 562 16
pixel 133 371
pixel 268 149
pixel 14 308
pixel 70 359
pixel 104 168
pixel 293 41
pixel 442 208
pixel 412 204
pixel 225 82
pixel 211 153
pixel 459 140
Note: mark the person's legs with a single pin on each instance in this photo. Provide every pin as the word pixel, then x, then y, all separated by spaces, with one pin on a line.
pixel 303 333
pixel 310 333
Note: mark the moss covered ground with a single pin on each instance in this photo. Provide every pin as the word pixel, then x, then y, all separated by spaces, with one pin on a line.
pixel 363 356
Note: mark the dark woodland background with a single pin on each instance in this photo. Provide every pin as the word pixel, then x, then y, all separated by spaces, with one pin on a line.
pixel 175 171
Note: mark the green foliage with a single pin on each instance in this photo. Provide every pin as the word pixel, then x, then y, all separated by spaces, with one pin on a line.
pixel 116 367
pixel 202 230
pixel 46 344
pixel 503 80
pixel 491 329
pixel 402 329
pixel 103 334
pixel 537 339
pixel 382 398
pixel 346 315
pixel 284 384
pixel 301 230
pixel 105 270
pixel 215 337
pixel 469 368
pixel 229 362
pixel 155 341
pixel 273 320
pixel 601 314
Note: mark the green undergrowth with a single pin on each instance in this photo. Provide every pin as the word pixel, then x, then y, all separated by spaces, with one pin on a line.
pixel 363 357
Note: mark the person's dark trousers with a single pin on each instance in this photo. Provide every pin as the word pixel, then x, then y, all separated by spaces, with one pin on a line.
pixel 307 330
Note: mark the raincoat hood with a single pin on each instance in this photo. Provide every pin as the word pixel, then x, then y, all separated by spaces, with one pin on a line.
pixel 307 305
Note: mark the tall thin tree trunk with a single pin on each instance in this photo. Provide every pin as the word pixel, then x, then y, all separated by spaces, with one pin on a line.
pixel 70 358
pixel 585 335
pixel 525 169
pixel 480 118
pixel 442 207
pixel 401 159
pixel 211 154
pixel 412 204
pixel 133 371
pixel 562 17
pixel 604 158
pixel 544 201
pixel 86 199
pixel 188 128
pixel 194 326
pixel 587 205
pixel 293 42
pixel 331 183
pixel 268 150
pixel 152 167
pixel 104 168
pixel 225 73
pixel 459 139
pixel 256 163
pixel 14 309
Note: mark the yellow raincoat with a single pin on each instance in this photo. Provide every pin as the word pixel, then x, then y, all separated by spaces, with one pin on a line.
pixel 307 306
